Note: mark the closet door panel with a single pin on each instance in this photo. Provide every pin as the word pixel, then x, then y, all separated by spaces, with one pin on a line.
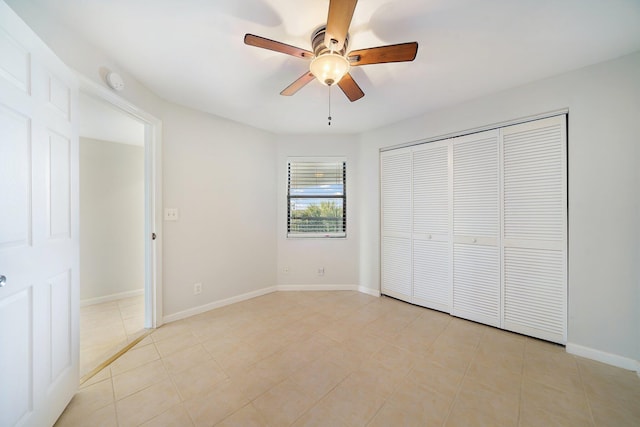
pixel 476 278
pixel 431 230
pixel 396 268
pixel 395 185
pixel 535 181
pixel 476 228
pixel 431 190
pixel 535 228
pixel 431 280
pixel 475 185
pixel 535 292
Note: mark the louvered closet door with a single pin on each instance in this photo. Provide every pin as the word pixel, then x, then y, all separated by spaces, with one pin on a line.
pixel 476 228
pixel 535 228
pixel 395 182
pixel 431 250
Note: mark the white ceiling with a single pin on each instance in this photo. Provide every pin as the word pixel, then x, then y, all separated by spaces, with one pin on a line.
pixel 191 52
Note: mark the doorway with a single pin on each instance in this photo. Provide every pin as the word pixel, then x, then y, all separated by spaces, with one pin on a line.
pixel 119 197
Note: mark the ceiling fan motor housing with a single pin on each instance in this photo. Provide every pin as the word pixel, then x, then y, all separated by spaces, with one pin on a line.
pixel 319 48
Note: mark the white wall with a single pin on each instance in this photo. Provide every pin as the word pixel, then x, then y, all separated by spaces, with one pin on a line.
pixel 111 218
pixel 303 257
pixel 604 160
pixel 221 176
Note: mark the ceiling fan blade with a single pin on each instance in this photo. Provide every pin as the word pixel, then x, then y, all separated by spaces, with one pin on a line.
pixel 338 22
pixel 377 55
pixel 264 43
pixel 298 84
pixel 350 88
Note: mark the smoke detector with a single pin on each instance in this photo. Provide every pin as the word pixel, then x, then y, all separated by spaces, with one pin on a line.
pixel 114 81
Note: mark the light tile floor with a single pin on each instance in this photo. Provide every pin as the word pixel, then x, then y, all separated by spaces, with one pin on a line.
pixel 106 328
pixel 348 359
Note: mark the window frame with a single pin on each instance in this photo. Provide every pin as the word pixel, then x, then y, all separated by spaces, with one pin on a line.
pixel 289 198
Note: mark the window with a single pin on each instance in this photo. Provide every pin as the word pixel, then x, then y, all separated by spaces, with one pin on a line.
pixel 316 197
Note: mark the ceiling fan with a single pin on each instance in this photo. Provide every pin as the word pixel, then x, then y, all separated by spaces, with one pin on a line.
pixel 331 59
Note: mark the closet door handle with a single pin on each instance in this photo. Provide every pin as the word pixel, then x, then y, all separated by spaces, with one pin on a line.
pixel 3 281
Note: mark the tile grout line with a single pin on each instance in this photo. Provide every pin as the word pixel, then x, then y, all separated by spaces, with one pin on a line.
pixel 346 377
pixel 124 329
pixel 584 391
pixel 327 393
pixel 524 360
pixel 385 399
pixel 113 396
pixel 228 377
pixel 475 354
pixel 169 376
pixel 446 418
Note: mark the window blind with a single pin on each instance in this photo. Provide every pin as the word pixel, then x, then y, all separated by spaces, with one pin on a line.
pixel 316 198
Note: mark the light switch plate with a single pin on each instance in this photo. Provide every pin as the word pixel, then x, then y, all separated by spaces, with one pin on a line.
pixel 170 214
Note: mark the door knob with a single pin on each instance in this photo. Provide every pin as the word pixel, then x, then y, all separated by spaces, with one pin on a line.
pixel 3 281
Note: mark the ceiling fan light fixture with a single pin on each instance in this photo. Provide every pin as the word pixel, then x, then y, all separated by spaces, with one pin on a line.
pixel 329 68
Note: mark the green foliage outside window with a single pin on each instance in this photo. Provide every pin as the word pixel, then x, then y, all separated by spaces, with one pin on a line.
pixel 323 217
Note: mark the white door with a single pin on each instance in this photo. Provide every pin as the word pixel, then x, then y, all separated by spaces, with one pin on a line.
pixel 38 229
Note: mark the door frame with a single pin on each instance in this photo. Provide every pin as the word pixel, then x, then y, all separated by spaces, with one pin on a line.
pixel 152 195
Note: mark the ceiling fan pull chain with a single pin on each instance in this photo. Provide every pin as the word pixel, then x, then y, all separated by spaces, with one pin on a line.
pixel 329 106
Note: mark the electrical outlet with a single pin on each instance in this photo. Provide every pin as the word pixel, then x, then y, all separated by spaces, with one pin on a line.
pixel 197 289
pixel 170 214
pixel 320 271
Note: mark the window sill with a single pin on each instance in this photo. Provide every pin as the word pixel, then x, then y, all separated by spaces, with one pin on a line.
pixel 317 236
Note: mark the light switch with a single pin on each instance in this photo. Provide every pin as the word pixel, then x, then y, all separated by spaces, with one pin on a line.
pixel 170 214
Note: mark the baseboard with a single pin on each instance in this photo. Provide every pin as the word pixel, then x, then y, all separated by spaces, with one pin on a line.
pixel 112 297
pixel 369 291
pixel 316 288
pixel 282 288
pixel 217 304
pixel 604 357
